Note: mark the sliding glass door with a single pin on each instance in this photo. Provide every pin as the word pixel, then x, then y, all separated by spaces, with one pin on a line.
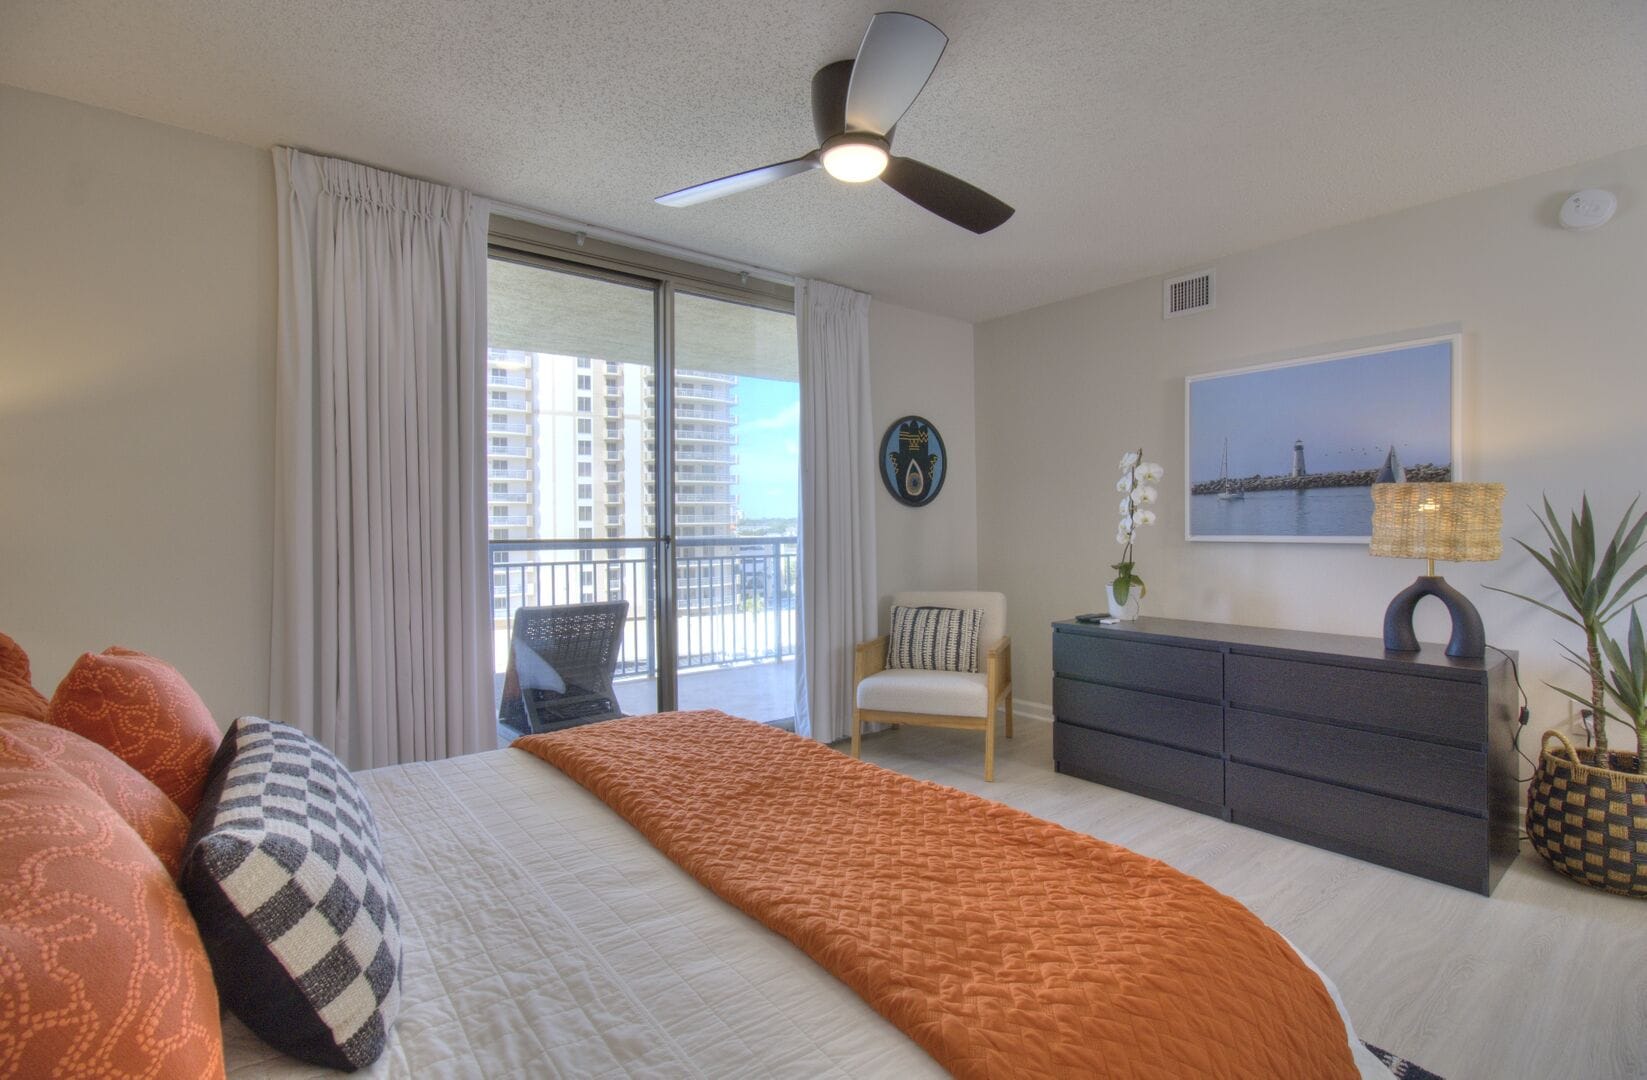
pixel 642 489
pixel 737 506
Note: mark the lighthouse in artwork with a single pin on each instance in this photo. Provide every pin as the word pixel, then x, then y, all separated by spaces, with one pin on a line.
pixel 1298 458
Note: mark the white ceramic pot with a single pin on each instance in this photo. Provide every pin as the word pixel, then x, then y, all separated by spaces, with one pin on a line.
pixel 1125 612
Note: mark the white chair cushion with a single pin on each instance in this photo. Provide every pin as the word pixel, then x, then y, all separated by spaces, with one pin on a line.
pixel 932 693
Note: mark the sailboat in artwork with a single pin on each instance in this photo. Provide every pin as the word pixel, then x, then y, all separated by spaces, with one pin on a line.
pixel 1227 488
pixel 1393 472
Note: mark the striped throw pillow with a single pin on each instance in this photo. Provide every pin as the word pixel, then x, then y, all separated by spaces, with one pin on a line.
pixel 934 638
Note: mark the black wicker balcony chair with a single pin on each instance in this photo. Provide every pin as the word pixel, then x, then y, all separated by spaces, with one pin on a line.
pixel 561 661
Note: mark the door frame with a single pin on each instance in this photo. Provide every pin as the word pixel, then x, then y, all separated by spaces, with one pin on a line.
pixel 538 246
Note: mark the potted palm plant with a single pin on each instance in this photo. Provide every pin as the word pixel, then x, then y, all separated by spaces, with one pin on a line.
pixel 1587 808
pixel 1627 684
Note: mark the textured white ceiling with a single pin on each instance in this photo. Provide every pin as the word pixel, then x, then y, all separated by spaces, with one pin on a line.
pixel 1134 136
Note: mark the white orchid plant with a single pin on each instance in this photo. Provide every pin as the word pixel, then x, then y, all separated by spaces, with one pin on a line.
pixel 1138 495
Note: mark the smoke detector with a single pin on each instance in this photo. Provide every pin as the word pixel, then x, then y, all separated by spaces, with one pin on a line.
pixel 1588 209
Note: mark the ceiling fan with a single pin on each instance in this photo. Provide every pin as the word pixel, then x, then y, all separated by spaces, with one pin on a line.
pixel 855 105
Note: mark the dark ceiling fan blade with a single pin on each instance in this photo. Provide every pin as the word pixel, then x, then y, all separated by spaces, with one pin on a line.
pixel 829 99
pixel 895 60
pixel 731 185
pixel 951 199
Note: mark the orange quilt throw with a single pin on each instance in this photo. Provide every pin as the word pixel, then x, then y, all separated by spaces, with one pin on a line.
pixel 1003 944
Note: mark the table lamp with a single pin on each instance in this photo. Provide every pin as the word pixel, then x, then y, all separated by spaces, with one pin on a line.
pixel 1451 522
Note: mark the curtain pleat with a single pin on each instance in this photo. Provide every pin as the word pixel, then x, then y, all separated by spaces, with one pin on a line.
pixel 381 646
pixel 838 590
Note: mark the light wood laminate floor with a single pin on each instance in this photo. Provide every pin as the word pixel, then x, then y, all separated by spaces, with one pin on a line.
pixel 1544 979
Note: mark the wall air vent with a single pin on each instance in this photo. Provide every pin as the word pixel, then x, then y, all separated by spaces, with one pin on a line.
pixel 1187 293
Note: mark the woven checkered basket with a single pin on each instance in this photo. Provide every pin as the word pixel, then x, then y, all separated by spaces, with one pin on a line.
pixel 1588 822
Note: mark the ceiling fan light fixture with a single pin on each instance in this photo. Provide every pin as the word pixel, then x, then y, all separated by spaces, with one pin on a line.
pixel 856 104
pixel 855 158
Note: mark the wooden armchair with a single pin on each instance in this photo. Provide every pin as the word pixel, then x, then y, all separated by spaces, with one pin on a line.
pixel 948 699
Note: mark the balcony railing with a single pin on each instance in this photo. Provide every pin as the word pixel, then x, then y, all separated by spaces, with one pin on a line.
pixel 695 393
pixel 700 412
pixel 688 432
pixel 511 519
pixel 509 496
pixel 736 595
pixel 510 472
pixel 498 379
pixel 507 427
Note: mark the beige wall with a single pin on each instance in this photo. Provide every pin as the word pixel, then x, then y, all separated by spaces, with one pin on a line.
pixel 1555 330
pixel 137 299
pixel 923 364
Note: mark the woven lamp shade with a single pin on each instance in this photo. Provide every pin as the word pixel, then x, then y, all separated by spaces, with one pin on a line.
pixel 1449 522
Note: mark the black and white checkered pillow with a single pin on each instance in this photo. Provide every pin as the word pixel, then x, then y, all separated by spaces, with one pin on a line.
pixel 284 874
pixel 934 638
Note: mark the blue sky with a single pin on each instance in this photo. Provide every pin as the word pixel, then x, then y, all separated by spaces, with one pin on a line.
pixel 768 470
pixel 1347 411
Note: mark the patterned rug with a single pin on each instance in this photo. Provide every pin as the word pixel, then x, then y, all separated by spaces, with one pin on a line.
pixel 1403 1070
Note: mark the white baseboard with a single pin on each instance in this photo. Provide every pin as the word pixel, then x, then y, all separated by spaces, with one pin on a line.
pixel 1031 710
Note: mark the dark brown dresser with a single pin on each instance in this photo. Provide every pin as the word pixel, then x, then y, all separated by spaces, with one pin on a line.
pixel 1403 759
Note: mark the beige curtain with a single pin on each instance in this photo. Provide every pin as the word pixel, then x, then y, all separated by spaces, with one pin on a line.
pixel 382 644
pixel 838 592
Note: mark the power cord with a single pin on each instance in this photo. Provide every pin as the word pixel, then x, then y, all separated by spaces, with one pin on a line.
pixel 1523 717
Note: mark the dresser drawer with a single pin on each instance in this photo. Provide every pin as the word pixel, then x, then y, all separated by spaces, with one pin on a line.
pixel 1189 725
pixel 1160 772
pixel 1422 840
pixel 1403 704
pixel 1427 772
pixel 1142 665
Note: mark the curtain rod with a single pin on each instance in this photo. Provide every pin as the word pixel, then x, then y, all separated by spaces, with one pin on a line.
pixel 616 236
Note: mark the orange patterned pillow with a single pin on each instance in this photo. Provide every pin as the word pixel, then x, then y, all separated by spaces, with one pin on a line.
pixel 17 692
pixel 144 711
pixel 102 972
pixel 154 817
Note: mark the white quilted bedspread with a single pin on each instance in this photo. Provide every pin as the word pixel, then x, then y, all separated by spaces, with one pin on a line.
pixel 544 937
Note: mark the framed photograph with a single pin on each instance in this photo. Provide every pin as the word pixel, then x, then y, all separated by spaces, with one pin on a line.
pixel 1289 451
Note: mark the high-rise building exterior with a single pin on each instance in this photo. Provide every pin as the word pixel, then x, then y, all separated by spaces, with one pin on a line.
pixel 572 456
pixel 705 436
pixel 510 451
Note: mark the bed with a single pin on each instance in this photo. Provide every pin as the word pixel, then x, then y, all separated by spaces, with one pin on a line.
pixel 544 936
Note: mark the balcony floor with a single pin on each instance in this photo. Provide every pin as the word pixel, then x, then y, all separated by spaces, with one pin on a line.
pixel 763 691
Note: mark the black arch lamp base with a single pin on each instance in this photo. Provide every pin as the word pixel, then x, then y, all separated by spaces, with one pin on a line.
pixel 1469 640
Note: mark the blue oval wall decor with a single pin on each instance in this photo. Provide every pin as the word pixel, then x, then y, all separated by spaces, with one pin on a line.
pixel 913 463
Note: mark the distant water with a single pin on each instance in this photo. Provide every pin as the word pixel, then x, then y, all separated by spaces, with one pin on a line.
pixel 1311 512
